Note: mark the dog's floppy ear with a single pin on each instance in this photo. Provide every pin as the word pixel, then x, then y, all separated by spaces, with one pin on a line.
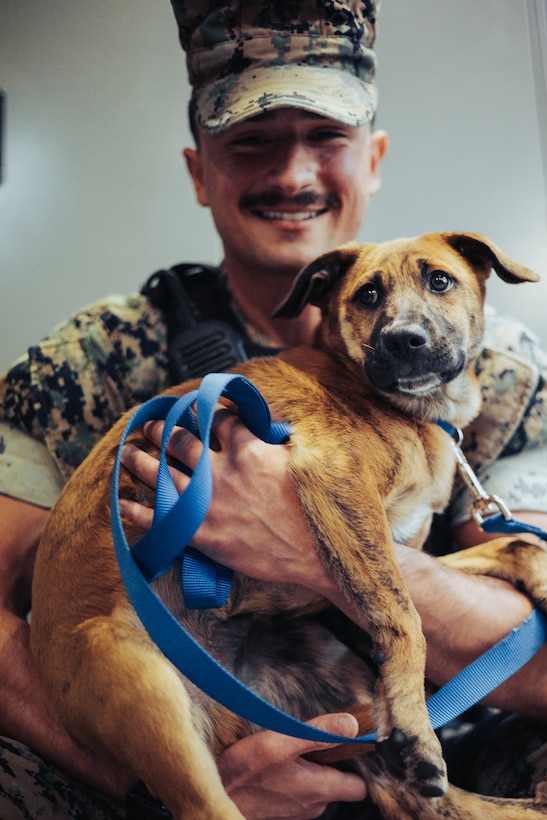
pixel 478 250
pixel 314 283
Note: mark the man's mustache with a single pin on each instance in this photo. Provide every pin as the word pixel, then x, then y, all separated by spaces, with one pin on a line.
pixel 276 200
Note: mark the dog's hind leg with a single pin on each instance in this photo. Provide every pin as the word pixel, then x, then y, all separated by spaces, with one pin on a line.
pixel 397 803
pixel 456 804
pixel 123 694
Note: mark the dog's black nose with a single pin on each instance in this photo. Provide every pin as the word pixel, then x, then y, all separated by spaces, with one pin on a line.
pixel 405 342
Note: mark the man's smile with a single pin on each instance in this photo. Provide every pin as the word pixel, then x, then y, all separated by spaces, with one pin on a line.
pixel 288 216
pixel 274 206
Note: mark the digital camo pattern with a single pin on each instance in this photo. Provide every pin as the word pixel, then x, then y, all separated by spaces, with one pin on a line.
pixel 71 388
pixel 33 789
pixel 203 24
pixel 505 444
pixel 513 374
pixel 250 56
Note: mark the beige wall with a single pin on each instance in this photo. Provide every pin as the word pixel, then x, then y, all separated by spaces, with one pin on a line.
pixel 95 195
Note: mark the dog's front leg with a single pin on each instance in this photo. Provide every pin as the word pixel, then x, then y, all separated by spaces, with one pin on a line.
pixel 406 740
pixel 118 694
pixel 354 543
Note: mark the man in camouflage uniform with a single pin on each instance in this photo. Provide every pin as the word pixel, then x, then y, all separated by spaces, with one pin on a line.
pixel 309 68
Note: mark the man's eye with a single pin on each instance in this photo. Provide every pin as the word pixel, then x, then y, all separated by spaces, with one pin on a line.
pixel 367 295
pixel 439 281
pixel 250 141
pixel 327 134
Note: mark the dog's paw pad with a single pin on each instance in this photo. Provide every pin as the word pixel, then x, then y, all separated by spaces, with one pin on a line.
pixel 437 785
pixel 400 755
pixel 392 749
pixel 431 790
pixel 425 770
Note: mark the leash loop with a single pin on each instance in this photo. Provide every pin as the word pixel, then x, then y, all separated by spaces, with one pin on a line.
pixel 206 584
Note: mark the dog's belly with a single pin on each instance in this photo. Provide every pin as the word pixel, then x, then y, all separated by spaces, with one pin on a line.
pixel 296 663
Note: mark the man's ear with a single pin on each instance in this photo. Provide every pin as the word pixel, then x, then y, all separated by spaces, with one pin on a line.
pixel 314 283
pixel 379 143
pixel 195 169
pixel 484 254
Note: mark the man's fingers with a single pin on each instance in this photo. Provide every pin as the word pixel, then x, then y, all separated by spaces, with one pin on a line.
pixel 283 746
pixel 337 724
pixel 227 429
pixel 138 514
pixel 182 445
pixel 268 769
pixel 140 464
pixel 233 434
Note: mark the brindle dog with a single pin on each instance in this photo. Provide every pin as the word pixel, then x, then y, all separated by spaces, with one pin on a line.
pixel 401 327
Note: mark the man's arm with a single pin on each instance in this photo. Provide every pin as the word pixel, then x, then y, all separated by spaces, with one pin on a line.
pixel 26 713
pixel 463 616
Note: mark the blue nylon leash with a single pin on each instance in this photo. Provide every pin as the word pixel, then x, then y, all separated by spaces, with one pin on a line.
pixel 207 584
pixel 509 526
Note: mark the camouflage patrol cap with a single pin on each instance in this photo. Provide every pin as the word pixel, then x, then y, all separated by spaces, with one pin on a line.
pixel 246 57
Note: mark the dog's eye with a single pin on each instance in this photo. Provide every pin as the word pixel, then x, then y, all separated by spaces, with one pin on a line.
pixel 367 295
pixel 440 281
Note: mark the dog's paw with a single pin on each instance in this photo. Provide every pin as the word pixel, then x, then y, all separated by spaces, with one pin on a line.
pixel 403 757
pixel 518 561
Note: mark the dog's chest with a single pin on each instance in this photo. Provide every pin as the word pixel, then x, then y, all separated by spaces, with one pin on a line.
pixel 407 521
pixel 424 491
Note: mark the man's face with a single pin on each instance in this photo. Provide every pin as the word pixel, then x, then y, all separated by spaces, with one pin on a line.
pixel 286 186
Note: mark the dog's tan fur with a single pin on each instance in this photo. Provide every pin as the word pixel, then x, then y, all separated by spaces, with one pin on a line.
pixel 369 467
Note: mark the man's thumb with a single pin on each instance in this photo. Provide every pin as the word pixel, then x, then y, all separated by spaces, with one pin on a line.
pixel 341 723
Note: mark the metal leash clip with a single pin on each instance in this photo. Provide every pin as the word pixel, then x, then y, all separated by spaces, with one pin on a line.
pixel 483 505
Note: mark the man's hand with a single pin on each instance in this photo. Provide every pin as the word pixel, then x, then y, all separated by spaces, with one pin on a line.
pixel 267 778
pixel 254 524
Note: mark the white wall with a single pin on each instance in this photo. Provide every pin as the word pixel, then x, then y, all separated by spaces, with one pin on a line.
pixel 95 195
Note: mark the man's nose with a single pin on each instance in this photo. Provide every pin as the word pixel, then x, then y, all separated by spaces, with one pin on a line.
pixel 294 167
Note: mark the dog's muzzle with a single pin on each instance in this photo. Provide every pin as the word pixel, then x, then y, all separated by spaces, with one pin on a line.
pixel 406 360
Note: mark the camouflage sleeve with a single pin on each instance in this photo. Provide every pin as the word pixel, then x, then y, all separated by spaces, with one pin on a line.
pixel 507 444
pixel 27 470
pixel 70 389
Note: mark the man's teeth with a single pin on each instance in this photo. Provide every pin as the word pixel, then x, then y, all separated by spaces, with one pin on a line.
pixel 290 217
